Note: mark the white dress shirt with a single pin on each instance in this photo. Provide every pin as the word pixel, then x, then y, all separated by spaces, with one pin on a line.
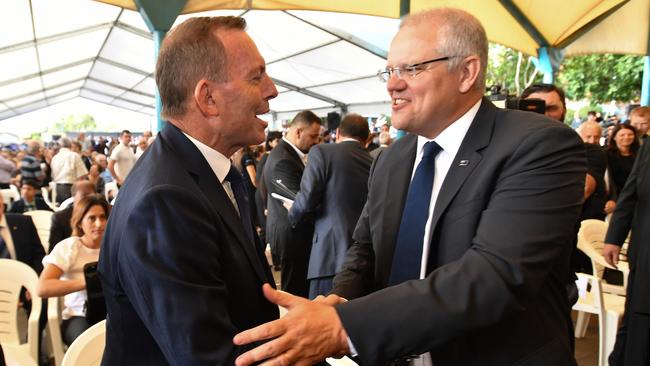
pixel 301 155
pixel 220 166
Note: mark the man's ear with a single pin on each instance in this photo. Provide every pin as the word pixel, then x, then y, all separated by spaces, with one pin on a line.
pixel 203 98
pixel 469 69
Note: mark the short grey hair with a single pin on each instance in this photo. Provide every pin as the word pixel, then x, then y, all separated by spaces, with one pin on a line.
pixel 461 33
pixel 65 142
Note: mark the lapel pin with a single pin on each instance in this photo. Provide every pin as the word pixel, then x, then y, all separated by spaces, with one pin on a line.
pixel 463 163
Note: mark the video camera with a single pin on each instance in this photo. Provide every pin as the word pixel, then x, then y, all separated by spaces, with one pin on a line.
pixel 503 100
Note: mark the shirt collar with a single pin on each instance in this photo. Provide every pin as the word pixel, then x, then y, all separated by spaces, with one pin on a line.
pixel 452 136
pixel 301 154
pixel 218 162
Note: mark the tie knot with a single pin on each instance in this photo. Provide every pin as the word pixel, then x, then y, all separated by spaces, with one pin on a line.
pixel 233 175
pixel 431 149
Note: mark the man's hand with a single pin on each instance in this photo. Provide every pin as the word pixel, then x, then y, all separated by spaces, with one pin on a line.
pixel 309 333
pixel 610 206
pixel 610 252
pixel 287 204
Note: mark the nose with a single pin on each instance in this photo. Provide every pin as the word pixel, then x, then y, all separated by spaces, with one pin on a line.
pixel 394 83
pixel 271 90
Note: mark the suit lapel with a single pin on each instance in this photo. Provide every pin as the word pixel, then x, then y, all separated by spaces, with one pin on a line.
pixel 467 158
pixel 214 192
pixel 395 190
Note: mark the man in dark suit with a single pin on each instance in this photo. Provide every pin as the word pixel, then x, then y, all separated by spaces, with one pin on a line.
pixel 20 239
pixel 60 228
pixel 632 213
pixel 461 254
pixel 286 164
pixel 333 189
pixel 29 201
pixel 181 265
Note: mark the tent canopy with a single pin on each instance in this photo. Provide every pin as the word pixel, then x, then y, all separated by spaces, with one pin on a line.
pixel 51 51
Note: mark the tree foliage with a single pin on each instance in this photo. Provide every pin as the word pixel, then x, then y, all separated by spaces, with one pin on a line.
pixel 75 123
pixel 511 70
pixel 602 78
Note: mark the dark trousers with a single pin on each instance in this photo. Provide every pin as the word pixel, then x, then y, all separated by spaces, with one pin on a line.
pixel 294 276
pixel 63 192
pixel 632 345
pixel 73 327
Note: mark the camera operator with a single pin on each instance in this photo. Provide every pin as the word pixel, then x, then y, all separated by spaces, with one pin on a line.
pixel 552 96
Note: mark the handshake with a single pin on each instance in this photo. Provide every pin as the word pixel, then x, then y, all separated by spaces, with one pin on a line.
pixel 306 335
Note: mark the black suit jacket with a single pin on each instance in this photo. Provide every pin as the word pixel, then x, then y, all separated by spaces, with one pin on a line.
pixel 19 206
pixel 26 241
pixel 632 213
pixel 502 232
pixel 179 273
pixel 334 189
pixel 60 228
pixel 287 241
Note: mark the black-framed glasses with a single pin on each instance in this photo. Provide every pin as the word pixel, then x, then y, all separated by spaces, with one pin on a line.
pixel 410 70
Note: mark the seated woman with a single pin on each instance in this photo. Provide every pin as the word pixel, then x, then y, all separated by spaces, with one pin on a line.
pixel 63 268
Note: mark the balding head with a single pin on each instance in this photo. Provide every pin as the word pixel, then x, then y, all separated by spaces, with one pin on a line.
pixel 590 132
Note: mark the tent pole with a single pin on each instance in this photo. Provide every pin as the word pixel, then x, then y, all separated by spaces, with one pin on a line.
pixel 645 87
pixel 159 16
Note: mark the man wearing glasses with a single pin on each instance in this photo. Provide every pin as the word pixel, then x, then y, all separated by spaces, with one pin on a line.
pixel 461 254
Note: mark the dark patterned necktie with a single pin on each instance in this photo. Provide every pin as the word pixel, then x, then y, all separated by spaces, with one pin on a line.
pixel 407 257
pixel 237 185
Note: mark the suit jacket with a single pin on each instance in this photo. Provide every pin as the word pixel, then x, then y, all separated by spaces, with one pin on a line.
pixel 60 228
pixel 19 206
pixel 501 239
pixel 288 241
pixel 334 189
pixel 26 241
pixel 631 213
pixel 179 273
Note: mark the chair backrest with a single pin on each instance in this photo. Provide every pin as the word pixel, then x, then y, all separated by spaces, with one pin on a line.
pixel 591 239
pixel 9 196
pixel 67 202
pixel 88 348
pixel 42 220
pixel 15 275
pixel 16 356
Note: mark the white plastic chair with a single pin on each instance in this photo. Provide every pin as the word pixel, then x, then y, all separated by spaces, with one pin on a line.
pixel 111 187
pixel 46 197
pixel 591 241
pixel 88 348
pixel 15 275
pixel 343 361
pixel 42 220
pixel 16 356
pixel 54 308
pixel 9 196
pixel 609 309
pixel 52 186
pixel 67 202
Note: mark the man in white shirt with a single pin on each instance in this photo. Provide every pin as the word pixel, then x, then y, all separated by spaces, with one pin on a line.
pixel 122 159
pixel 67 167
pixel 461 254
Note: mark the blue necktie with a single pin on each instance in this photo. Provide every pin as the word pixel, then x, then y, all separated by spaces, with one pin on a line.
pixel 237 185
pixel 407 257
pixel 4 251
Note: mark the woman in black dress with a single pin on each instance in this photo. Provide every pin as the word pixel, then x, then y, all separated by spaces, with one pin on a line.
pixel 621 151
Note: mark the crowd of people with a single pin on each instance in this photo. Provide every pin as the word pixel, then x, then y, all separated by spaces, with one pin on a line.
pixel 452 245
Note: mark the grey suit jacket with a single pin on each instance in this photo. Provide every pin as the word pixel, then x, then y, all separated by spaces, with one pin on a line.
pixel 501 241
pixel 334 187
